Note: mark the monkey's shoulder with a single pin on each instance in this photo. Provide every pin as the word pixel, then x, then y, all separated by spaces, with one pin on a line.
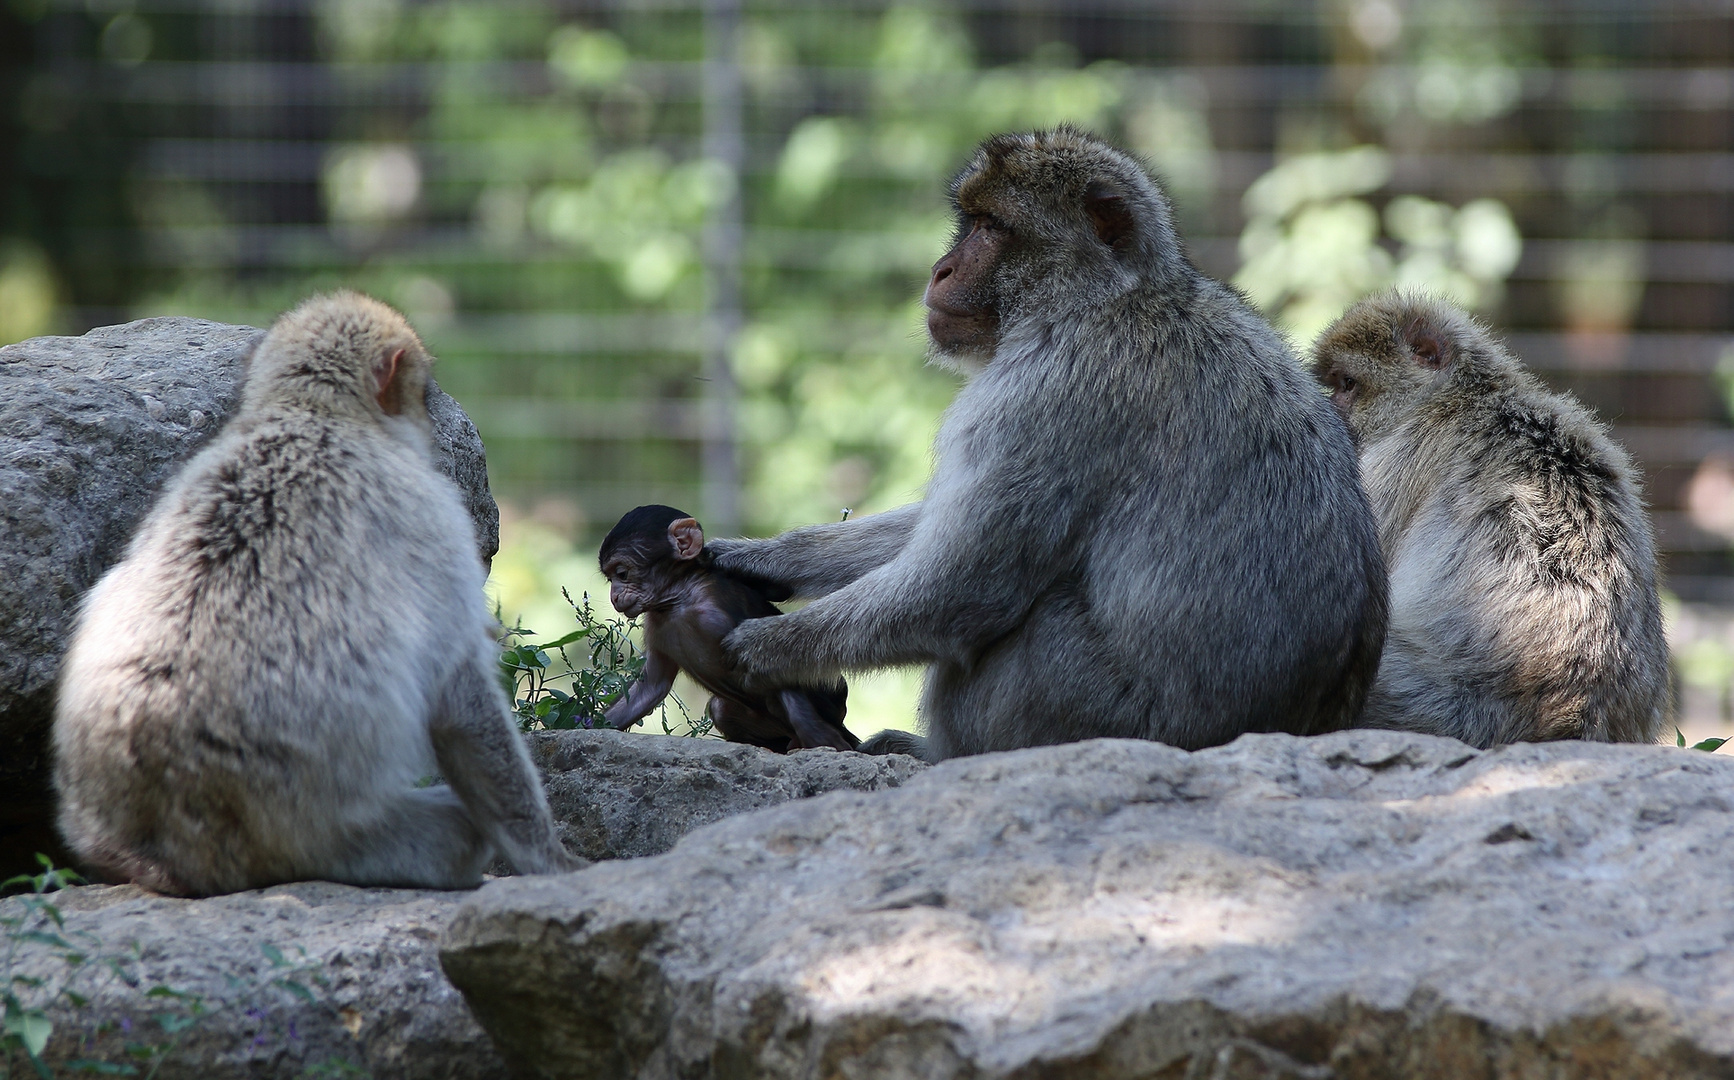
pixel 759 594
pixel 741 597
pixel 1526 432
pixel 285 491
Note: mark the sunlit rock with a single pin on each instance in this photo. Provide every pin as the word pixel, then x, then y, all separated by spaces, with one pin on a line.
pixel 1359 905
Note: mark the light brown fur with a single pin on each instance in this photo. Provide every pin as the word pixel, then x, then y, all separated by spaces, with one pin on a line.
pixel 295 638
pixel 1522 567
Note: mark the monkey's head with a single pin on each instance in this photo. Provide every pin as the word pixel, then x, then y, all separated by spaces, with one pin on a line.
pixel 1049 224
pixel 344 353
pixel 1388 354
pixel 647 553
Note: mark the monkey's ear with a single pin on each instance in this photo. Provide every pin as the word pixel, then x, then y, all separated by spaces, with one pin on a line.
pixel 686 538
pixel 384 373
pixel 1430 346
pixel 1109 214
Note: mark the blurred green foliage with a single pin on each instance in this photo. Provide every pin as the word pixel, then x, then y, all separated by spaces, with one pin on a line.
pixel 1313 243
pixel 553 184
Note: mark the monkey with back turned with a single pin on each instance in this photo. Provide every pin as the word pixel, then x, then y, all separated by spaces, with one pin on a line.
pixel 296 638
pixel 1522 568
pixel 1130 501
pixel 658 569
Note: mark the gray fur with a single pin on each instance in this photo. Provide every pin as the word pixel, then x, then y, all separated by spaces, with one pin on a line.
pixel 297 636
pixel 1143 519
pixel 1522 567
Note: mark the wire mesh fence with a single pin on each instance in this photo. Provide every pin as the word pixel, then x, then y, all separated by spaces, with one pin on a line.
pixel 672 251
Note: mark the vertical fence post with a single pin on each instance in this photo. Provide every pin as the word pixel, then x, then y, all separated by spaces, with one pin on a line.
pixel 722 255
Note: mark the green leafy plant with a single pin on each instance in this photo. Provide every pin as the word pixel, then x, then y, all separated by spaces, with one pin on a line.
pixel 1708 745
pixel 550 694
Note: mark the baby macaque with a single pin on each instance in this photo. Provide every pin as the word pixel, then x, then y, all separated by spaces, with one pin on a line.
pixel 658 569
pixel 1522 569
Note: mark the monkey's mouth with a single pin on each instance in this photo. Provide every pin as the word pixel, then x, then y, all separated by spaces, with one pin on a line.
pixel 953 329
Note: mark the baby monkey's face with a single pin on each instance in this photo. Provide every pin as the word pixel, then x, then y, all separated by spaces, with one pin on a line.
pixel 631 584
pixel 645 571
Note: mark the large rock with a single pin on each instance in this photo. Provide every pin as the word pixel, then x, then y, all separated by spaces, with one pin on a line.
pixel 1359 905
pixel 370 992
pixel 90 429
pixel 375 996
pixel 620 795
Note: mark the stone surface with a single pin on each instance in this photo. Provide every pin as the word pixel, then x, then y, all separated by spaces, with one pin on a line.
pixel 366 958
pixel 90 429
pixel 378 999
pixel 1359 905
pixel 622 795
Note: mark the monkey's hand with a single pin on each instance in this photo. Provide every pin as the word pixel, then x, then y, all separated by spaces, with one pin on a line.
pixel 754 559
pixel 772 653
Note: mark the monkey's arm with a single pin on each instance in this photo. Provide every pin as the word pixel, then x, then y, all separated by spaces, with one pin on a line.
pixel 482 757
pixel 967 575
pixel 821 559
pixel 653 684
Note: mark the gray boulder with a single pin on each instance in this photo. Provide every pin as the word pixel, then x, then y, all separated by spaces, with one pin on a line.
pixel 1360 905
pixel 307 979
pixel 622 795
pixel 90 429
pixel 371 993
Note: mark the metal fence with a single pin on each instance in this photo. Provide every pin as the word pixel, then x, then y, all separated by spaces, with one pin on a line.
pixel 708 323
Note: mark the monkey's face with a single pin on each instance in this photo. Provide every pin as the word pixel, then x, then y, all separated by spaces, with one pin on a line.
pixel 963 308
pixel 1379 359
pixel 1048 223
pixel 1365 387
pixel 646 563
pixel 636 579
pixel 627 591
pixel 1343 378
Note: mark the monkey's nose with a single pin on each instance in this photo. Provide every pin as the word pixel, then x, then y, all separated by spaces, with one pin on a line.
pixel 940 273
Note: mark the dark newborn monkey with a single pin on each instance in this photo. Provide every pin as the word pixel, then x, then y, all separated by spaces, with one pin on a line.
pixel 657 568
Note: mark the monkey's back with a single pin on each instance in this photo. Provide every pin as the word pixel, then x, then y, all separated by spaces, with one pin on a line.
pixel 214 684
pixel 1524 601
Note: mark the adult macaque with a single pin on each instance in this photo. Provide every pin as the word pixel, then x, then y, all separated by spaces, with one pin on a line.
pixel 1523 573
pixel 1143 519
pixel 658 569
pixel 296 638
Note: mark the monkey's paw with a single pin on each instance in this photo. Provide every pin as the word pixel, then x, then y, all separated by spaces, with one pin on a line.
pixel 738 556
pixel 773 652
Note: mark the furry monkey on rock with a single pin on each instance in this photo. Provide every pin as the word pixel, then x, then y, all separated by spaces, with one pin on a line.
pixel 296 637
pixel 1143 521
pixel 1523 573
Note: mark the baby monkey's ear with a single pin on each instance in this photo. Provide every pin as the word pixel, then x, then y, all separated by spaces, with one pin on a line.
pixel 686 538
pixel 1428 343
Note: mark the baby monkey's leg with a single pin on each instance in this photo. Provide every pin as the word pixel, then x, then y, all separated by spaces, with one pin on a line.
pixel 810 730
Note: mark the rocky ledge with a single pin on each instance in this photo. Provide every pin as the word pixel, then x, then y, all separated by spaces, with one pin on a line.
pixel 316 979
pixel 1360 905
